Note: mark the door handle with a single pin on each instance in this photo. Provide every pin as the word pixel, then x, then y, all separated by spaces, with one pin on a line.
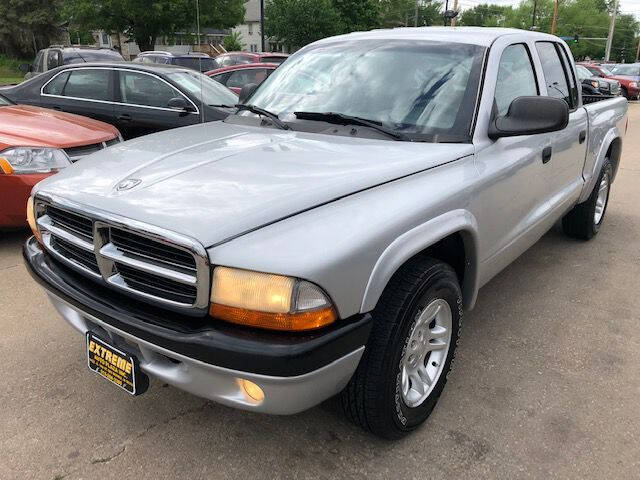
pixel 546 154
pixel 125 117
pixel 582 136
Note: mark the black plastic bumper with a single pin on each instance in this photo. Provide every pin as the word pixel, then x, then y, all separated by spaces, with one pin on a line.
pixel 204 339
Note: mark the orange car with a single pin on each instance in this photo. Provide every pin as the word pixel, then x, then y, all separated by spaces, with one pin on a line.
pixel 34 144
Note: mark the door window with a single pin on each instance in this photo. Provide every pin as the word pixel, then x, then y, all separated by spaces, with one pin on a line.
pixel 37 63
pixel 516 77
pixel 240 78
pixel 93 84
pixel 554 73
pixel 53 59
pixel 145 90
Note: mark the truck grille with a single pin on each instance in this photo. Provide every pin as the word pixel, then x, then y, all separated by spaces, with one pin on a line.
pixel 153 265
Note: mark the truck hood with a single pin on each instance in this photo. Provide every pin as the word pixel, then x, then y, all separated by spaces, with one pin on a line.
pixel 215 181
pixel 25 125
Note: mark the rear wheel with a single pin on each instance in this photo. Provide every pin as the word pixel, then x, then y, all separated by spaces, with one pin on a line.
pixel 410 350
pixel 585 219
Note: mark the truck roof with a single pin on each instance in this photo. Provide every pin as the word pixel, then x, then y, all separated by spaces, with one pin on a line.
pixel 483 36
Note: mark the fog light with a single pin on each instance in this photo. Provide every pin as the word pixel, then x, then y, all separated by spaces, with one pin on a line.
pixel 253 391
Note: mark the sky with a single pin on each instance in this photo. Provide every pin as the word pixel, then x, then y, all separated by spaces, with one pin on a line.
pixel 626 6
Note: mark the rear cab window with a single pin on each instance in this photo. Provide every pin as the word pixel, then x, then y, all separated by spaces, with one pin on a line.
pixel 557 73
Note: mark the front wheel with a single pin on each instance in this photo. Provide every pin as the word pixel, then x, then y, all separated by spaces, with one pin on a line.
pixel 585 219
pixel 410 350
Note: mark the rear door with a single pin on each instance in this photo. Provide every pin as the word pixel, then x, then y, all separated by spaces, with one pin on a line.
pixel 87 91
pixel 142 105
pixel 568 146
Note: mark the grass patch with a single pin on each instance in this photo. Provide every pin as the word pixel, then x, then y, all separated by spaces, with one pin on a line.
pixel 9 71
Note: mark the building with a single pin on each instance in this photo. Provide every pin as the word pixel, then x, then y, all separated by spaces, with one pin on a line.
pixel 250 29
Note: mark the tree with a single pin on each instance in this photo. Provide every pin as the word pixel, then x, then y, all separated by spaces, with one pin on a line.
pixel 358 15
pixel 396 13
pixel 145 21
pixel 296 23
pixel 233 42
pixel 28 25
pixel 485 15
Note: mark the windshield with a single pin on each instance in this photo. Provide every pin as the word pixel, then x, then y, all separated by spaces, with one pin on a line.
pixel 606 71
pixel 81 56
pixel 632 70
pixel 205 89
pixel 423 88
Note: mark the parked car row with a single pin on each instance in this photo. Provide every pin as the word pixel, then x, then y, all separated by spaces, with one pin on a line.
pixel 628 75
pixel 136 98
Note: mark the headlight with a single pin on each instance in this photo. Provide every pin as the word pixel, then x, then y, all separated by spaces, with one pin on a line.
pixel 32 160
pixel 269 301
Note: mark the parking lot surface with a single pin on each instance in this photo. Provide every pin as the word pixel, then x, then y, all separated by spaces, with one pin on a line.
pixel 546 385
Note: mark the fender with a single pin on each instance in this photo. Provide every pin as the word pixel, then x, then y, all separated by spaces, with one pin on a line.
pixel 418 239
pixel 590 177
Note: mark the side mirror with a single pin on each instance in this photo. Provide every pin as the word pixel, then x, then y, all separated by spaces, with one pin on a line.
pixel 531 115
pixel 180 104
pixel 24 67
pixel 246 92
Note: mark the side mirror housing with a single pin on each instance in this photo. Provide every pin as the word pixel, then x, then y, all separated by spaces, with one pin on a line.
pixel 529 116
pixel 246 92
pixel 179 103
pixel 24 67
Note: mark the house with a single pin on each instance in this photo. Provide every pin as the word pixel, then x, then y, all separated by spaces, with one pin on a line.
pixel 250 30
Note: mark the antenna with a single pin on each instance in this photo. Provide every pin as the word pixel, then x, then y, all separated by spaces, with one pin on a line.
pixel 200 63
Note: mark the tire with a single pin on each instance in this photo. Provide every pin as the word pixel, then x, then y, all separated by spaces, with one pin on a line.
pixel 375 397
pixel 625 93
pixel 585 220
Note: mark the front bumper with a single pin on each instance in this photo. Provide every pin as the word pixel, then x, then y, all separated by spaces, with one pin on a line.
pixel 205 357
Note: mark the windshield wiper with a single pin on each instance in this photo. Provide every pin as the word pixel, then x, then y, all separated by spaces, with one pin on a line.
pixel 343 119
pixel 265 113
pixel 221 105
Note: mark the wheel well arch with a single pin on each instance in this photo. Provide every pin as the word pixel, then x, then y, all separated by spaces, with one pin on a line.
pixel 613 154
pixel 457 247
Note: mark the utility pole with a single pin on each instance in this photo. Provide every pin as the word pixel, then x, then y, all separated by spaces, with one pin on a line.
pixel 454 20
pixel 262 26
pixel 446 8
pixel 554 23
pixel 533 18
pixel 415 20
pixel 612 25
pixel 638 50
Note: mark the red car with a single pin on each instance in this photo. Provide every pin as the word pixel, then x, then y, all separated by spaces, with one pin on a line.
pixel 237 76
pixel 34 144
pixel 237 58
pixel 628 84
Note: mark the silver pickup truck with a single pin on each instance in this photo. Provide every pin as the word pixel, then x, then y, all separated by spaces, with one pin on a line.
pixel 327 238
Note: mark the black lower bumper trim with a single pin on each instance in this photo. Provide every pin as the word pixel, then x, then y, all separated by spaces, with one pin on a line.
pixel 205 339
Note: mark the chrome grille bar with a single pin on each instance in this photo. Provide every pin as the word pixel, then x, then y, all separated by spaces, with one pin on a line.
pixel 140 260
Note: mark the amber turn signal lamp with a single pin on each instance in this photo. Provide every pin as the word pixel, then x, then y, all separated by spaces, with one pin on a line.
pixel 299 321
pixel 31 220
pixel 5 166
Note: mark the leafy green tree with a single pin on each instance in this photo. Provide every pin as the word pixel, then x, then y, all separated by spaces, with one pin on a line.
pixel 145 21
pixel 296 23
pixel 485 15
pixel 396 13
pixel 28 25
pixel 358 15
pixel 233 42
